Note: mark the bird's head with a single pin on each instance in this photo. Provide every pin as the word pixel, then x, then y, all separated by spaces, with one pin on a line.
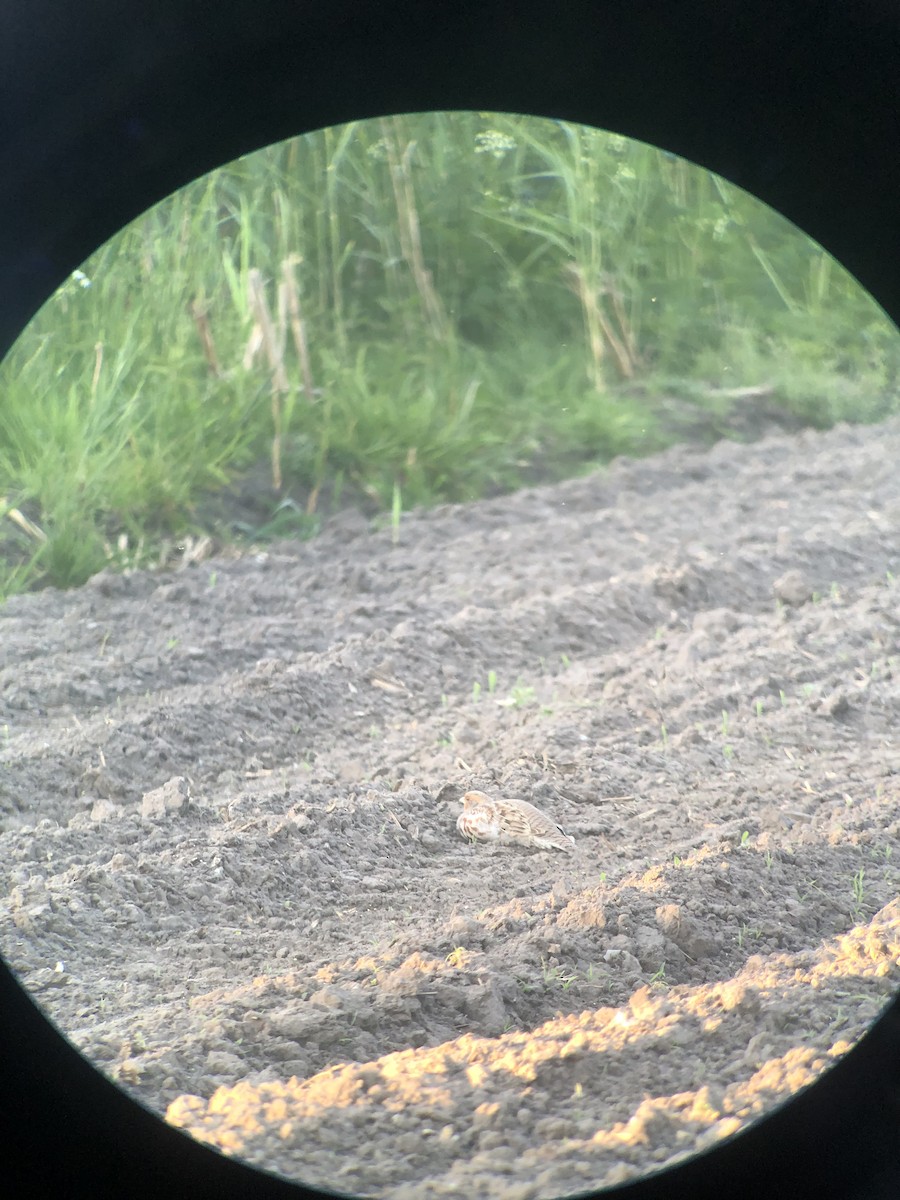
pixel 474 800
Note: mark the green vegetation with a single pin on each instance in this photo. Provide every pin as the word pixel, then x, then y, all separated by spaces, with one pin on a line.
pixel 658 980
pixel 859 891
pixel 556 975
pixel 747 932
pixel 431 307
pixel 520 695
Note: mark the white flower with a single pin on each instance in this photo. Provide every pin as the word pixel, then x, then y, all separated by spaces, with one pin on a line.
pixel 493 142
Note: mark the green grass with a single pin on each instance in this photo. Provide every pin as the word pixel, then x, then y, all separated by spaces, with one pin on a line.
pixel 399 312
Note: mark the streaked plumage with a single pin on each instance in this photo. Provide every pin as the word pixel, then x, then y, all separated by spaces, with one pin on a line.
pixel 485 820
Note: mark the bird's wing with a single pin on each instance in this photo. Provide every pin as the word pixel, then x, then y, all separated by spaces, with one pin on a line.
pixel 523 819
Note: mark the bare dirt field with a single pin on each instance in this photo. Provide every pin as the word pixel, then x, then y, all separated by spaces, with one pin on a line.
pixel 229 866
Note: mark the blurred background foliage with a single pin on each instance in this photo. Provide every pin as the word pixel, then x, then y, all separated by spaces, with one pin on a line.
pixel 396 312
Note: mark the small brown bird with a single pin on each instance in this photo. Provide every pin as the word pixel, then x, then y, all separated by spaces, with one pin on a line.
pixel 485 820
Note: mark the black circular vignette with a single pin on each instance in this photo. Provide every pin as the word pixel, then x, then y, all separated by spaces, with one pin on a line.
pixel 105 108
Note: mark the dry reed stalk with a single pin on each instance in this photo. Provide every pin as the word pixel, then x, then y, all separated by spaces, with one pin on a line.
pixel 200 315
pixel 98 365
pixel 409 229
pixel 298 325
pixel 590 309
pixel 618 347
pixel 600 328
pixel 18 518
pixel 273 343
pixel 628 339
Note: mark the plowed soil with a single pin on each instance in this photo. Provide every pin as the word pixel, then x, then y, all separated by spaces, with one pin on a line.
pixel 229 867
